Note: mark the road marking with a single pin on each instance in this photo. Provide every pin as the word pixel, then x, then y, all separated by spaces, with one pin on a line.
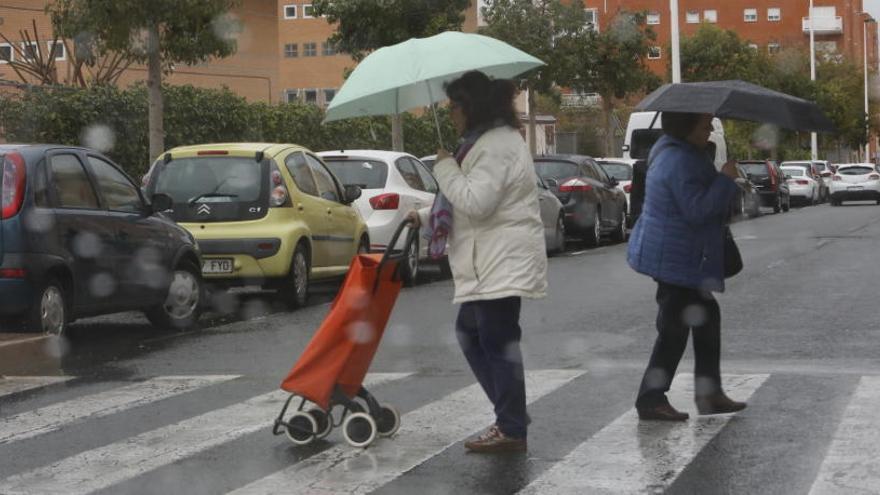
pixel 852 464
pixel 57 416
pixel 105 466
pixel 424 433
pixel 629 456
pixel 23 340
pixel 14 384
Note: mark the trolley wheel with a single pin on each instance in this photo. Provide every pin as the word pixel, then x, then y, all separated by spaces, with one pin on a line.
pixel 388 421
pixel 359 429
pixel 301 428
pixel 323 421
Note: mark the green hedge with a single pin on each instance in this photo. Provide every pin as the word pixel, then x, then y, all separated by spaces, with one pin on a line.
pixel 193 115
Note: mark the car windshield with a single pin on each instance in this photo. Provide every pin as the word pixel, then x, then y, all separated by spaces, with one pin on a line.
pixel 642 141
pixel 211 180
pixel 794 171
pixel 368 174
pixel 551 169
pixel 618 170
pixel 754 168
pixel 855 170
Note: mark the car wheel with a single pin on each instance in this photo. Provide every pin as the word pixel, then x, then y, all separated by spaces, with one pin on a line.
pixel 620 232
pixel 296 290
pixel 559 235
pixel 410 268
pixel 183 303
pixel 595 234
pixel 49 310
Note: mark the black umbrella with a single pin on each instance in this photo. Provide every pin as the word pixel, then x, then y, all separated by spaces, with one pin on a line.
pixel 738 100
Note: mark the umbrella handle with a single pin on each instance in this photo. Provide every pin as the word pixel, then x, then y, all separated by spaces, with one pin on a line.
pixel 434 111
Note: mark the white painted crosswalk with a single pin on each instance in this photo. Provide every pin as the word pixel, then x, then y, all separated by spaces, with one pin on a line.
pixel 620 456
pixel 15 384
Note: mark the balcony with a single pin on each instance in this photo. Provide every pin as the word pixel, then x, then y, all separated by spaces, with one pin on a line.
pixel 824 25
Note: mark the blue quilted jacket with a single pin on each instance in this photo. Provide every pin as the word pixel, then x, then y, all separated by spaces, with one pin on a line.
pixel 679 237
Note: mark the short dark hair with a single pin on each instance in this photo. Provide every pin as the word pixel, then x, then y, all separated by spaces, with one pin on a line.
pixel 679 124
pixel 484 100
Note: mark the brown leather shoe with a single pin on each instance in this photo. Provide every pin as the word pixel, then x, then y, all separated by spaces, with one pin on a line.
pixel 496 441
pixel 662 412
pixel 718 404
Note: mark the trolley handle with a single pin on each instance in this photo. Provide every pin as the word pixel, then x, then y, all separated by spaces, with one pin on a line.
pixel 390 255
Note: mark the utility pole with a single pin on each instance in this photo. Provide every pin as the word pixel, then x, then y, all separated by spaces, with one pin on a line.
pixel 814 141
pixel 676 52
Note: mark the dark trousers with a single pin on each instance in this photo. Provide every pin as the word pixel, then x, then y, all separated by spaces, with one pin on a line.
pixel 679 310
pixel 489 335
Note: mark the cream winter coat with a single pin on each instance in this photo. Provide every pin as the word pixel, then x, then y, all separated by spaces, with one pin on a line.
pixel 496 247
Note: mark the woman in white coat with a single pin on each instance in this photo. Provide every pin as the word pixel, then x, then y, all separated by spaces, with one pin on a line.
pixel 495 245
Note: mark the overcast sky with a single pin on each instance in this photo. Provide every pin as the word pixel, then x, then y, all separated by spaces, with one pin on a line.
pixel 873 6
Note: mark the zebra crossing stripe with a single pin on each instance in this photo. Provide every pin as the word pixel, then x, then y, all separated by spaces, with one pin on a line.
pixel 14 384
pixel 629 456
pixel 852 464
pixel 105 466
pixel 56 416
pixel 423 434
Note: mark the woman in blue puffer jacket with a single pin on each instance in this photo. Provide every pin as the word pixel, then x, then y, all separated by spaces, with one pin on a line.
pixel 679 242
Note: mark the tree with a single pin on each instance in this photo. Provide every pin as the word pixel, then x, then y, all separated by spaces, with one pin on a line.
pixel 714 54
pixel 612 63
pixel 547 29
pixel 367 25
pixel 159 33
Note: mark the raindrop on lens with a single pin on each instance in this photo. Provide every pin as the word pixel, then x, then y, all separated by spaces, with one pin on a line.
pixel 87 245
pixel 99 137
pixel 253 309
pixel 102 285
pixel 360 332
pixel 56 347
pixel 766 137
pixel 38 222
pixel 694 315
pixel 704 386
pixel 656 378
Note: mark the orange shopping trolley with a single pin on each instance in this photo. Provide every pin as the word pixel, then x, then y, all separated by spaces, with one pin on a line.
pixel 331 369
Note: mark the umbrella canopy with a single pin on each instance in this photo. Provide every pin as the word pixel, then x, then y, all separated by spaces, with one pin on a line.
pixel 738 100
pixel 411 74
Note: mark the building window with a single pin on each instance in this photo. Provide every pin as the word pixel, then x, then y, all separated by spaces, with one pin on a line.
pixel 750 15
pixel 592 19
pixel 56 50
pixel 29 51
pixel 327 49
pixel 291 96
pixel 290 11
pixel 308 11
pixel 653 18
pixel 310 49
pixel 310 96
pixel 773 47
pixel 710 16
pixel 774 14
pixel 654 53
pixel 692 17
pixel 753 46
pixel 329 94
pixel 6 53
pixel 291 50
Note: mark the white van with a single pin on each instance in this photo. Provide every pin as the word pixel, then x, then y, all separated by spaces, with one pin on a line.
pixel 643 130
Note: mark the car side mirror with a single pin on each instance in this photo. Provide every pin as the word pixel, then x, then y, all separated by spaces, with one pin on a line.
pixel 551 182
pixel 352 193
pixel 613 182
pixel 160 203
pixel 787 176
pixel 625 147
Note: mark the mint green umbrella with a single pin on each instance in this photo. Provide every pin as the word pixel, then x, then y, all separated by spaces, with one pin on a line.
pixel 411 74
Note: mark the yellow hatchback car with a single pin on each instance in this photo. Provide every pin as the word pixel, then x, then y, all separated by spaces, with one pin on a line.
pixel 263 214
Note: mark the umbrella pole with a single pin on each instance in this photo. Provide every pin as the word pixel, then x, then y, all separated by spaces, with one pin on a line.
pixel 434 111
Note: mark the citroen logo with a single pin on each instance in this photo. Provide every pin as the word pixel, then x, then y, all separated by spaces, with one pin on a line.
pixel 204 209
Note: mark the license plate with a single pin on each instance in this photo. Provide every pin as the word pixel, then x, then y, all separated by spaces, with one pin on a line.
pixel 217 265
pixel 853 188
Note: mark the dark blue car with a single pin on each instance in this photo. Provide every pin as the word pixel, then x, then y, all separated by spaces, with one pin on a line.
pixel 77 238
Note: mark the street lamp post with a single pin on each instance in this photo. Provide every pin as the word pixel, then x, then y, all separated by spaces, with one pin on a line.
pixel 676 51
pixel 814 142
pixel 867 110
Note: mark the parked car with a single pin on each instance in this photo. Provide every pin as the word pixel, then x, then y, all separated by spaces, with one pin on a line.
pixel 747 203
pixel 393 184
pixel 813 173
pixel 621 169
pixel 429 161
pixel 770 181
pixel 593 205
pixel 801 185
pixel 855 182
pixel 825 172
pixel 553 218
pixel 263 214
pixel 78 238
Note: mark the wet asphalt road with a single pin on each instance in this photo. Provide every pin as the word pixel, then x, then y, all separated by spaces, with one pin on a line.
pixel 802 317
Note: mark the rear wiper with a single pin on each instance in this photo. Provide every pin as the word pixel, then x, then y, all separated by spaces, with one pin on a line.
pixel 193 201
